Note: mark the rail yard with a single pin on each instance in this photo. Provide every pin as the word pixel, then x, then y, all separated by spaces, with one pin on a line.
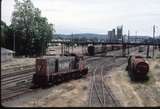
pixel 80 53
pixel 107 83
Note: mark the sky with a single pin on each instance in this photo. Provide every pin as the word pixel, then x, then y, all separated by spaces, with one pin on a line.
pixel 95 16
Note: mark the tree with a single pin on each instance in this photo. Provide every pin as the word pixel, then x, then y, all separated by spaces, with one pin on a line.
pixel 6 37
pixel 42 35
pixel 4 30
pixel 32 30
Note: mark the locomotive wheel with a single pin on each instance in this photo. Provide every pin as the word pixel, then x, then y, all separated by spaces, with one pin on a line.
pixel 77 75
pixel 59 80
pixel 64 77
pixel 56 79
pixel 133 78
pixel 68 76
pixel 80 74
pixel 141 78
pixel 73 75
pixel 34 87
pixel 33 79
pixel 126 68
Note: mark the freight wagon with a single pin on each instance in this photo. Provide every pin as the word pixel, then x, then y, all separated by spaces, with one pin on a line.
pixel 141 49
pixel 52 70
pixel 92 50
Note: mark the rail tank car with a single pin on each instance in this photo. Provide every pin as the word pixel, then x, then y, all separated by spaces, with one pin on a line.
pixel 137 67
pixel 52 70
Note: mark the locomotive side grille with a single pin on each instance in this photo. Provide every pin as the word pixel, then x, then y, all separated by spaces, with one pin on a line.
pixel 51 65
pixel 64 64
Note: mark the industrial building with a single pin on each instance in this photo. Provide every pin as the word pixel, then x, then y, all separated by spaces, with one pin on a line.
pixel 119 33
pixel 113 37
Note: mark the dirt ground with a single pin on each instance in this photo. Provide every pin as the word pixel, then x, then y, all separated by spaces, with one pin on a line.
pixel 56 50
pixel 75 92
pixel 71 94
pixel 132 93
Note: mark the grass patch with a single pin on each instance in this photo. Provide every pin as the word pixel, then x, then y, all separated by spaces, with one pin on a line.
pixel 158 56
pixel 151 79
pixel 157 66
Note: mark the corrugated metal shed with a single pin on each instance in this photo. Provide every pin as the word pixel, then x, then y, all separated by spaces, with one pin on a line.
pixel 6 54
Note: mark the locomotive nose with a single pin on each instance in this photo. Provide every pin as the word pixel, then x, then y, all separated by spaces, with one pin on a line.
pixel 142 68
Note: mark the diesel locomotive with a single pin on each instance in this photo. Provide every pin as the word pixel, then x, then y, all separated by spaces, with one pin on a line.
pixel 52 70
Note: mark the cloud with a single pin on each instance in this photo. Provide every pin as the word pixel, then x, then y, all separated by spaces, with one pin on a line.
pixel 95 15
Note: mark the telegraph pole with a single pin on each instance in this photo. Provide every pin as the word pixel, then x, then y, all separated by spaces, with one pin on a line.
pixel 72 43
pixel 123 40
pixel 153 38
pixel 14 41
pixel 136 37
pixel 128 40
pixel 148 51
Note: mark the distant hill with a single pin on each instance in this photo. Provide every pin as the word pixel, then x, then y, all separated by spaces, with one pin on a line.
pixel 83 35
pixel 98 37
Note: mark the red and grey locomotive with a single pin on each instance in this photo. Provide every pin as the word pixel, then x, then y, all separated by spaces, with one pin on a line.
pixel 52 70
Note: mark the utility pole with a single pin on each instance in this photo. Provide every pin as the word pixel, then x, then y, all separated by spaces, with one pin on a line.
pixel 136 37
pixel 153 38
pixel 148 51
pixel 61 48
pixel 106 38
pixel 14 42
pixel 128 41
pixel 72 43
pixel 82 49
pixel 123 45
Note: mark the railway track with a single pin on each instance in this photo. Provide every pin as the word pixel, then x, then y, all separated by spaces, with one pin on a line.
pixel 12 72
pixel 100 94
pixel 16 68
pixel 13 94
pixel 16 83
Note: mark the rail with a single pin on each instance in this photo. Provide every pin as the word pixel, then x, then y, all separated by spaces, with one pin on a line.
pixel 100 95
